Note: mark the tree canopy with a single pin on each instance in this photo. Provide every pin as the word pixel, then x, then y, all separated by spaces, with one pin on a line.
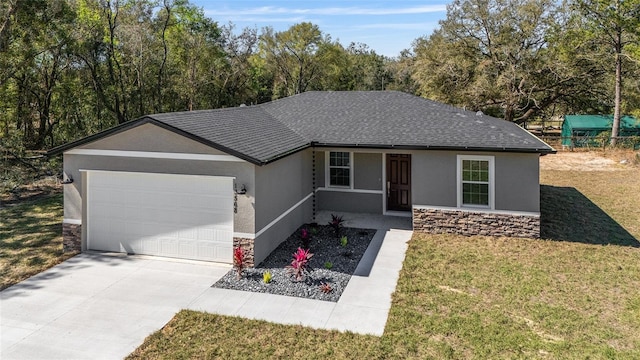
pixel 70 68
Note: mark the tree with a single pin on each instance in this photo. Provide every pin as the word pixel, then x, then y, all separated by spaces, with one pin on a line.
pixel 35 53
pixel 238 81
pixel 400 71
pixel 614 23
pixel 495 56
pixel 195 53
pixel 291 56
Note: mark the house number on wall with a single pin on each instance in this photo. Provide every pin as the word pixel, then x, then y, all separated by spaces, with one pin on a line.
pixel 235 203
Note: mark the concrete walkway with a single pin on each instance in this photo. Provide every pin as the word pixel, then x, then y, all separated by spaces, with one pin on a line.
pixel 364 305
pixel 96 306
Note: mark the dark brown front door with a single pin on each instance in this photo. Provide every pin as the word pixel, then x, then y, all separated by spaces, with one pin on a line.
pixel 399 182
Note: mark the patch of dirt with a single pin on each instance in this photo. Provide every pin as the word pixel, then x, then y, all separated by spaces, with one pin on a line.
pixel 457 291
pixel 535 328
pixel 596 160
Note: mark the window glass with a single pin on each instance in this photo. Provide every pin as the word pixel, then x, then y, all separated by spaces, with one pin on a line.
pixel 475 182
pixel 339 168
pixel 339 177
pixel 339 159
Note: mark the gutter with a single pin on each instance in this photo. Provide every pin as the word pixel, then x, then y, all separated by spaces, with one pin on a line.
pixel 285 154
pixel 549 150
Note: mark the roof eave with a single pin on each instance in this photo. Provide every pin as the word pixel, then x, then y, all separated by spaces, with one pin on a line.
pixel 97 136
pixel 149 120
pixel 285 154
pixel 437 147
pixel 207 142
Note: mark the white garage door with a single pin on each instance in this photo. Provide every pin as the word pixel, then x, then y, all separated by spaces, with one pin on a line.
pixel 182 216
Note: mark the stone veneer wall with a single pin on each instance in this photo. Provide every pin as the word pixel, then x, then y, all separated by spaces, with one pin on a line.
pixel 247 245
pixel 71 237
pixel 439 221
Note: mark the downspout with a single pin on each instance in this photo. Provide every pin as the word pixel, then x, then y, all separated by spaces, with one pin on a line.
pixel 313 183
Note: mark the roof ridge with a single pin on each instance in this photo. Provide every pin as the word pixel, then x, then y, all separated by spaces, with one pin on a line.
pixel 272 103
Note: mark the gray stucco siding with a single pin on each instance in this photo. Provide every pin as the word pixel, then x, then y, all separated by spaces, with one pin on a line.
pixel 149 137
pixel 279 187
pixel 349 201
pixel 367 171
pixel 434 179
pixel 320 164
pixel 518 182
pixel 367 168
pixel 243 172
pixel 268 240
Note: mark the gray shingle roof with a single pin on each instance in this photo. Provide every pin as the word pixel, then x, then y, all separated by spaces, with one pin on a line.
pixel 248 131
pixel 393 118
pixel 373 119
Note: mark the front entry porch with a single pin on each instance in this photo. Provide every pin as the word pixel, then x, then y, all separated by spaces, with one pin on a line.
pixel 367 221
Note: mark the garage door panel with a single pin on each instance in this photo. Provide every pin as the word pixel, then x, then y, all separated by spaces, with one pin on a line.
pixel 224 251
pixel 187 248
pixel 160 214
pixel 208 250
pixel 147 246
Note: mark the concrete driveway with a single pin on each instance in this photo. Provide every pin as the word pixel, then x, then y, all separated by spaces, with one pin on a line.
pixel 97 306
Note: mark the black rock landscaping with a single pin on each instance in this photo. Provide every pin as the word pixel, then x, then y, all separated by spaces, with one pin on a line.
pixel 331 263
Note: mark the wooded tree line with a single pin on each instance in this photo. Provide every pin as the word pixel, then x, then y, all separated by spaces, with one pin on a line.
pixel 69 68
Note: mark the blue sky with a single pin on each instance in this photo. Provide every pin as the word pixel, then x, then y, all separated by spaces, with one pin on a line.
pixel 386 26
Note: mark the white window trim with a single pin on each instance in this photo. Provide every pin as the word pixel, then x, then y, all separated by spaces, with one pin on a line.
pixel 492 182
pixel 327 172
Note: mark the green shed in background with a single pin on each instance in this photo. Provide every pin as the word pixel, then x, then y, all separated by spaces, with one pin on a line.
pixel 583 130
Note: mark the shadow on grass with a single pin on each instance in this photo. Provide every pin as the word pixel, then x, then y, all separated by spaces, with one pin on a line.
pixel 567 215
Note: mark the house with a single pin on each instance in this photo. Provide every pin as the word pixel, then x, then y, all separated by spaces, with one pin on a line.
pixel 195 184
pixel 591 130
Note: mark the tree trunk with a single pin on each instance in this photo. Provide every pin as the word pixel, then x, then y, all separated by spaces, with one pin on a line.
pixel 615 129
pixel 5 26
pixel 165 48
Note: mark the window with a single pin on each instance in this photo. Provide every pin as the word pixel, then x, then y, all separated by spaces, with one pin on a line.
pixel 339 168
pixel 475 181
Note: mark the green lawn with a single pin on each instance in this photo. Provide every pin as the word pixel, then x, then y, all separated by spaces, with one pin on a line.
pixel 574 295
pixel 30 238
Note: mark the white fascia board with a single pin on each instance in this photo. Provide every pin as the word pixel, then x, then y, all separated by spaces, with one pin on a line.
pixel 244 235
pixel 153 155
pixel 72 221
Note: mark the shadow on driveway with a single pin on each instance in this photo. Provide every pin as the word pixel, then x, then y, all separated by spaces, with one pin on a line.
pixel 65 268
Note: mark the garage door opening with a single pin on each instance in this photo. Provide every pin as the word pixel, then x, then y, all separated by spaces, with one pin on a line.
pixel 180 216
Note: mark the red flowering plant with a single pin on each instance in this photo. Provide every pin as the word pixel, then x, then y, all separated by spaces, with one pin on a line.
pixel 325 287
pixel 239 260
pixel 336 223
pixel 305 237
pixel 300 264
